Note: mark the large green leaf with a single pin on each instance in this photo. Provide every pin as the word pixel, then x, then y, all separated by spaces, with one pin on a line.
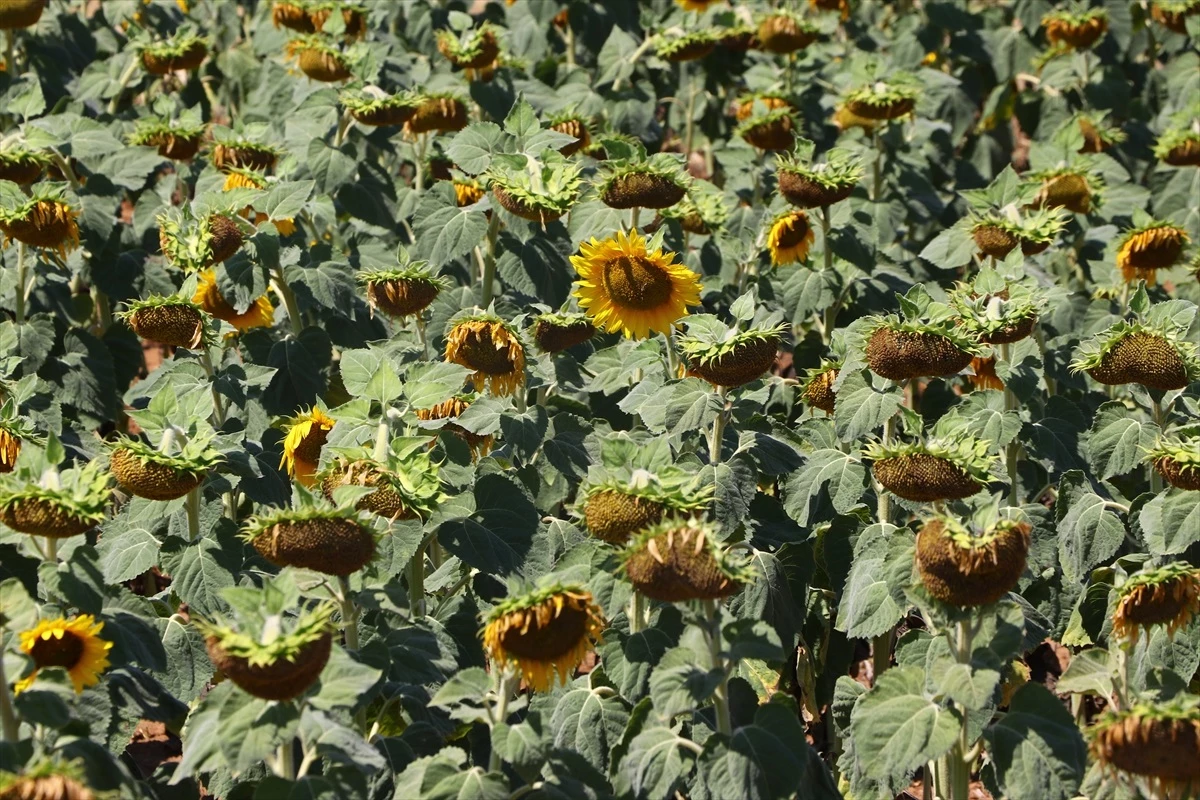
pixel 1037 750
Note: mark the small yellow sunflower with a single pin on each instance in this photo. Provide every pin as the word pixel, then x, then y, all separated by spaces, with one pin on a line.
pixel 260 314
pixel 790 237
pixel 306 435
pixel 544 633
pixel 628 289
pixel 74 645
pixel 10 448
pixel 467 193
pixel 486 345
pixel 243 179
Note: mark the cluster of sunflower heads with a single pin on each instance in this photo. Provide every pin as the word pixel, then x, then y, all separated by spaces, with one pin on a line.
pixel 544 633
pixel 935 470
pixel 309 16
pixel 1155 744
pixel 967 568
pixel 271 647
pixel 1168 596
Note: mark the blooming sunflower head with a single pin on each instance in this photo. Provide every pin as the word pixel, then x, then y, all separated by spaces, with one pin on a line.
pixel 492 349
pixel 1177 459
pixel 467 192
pixel 71 644
pixel 545 633
pixel 43 219
pixel 1157 744
pixel 244 178
pixel 1168 595
pixel 678 560
pixel 625 287
pixel 1144 250
pixel 48 779
pixel 260 313
pixel 403 290
pixel 789 237
pixel 304 436
pixel 729 357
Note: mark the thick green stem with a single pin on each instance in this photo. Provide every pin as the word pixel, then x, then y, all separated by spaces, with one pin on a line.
pixel 115 102
pixel 718 429
pixel 343 126
pixel 877 172
pixel 829 319
pixel 721 695
pixel 286 761
pixel 22 280
pixel 881 653
pixel 633 218
pixel 419 178
pixel 569 37
pixel 349 613
pixel 382 439
pixel 488 279
pixel 289 300
pixel 689 124
pixel 1012 450
pixel 883 503
pixel 637 612
pixel 10 49
pixel 193 514
pixel 8 716
pixel 416 583
pixel 506 683
pixel 103 311
pixel 1156 480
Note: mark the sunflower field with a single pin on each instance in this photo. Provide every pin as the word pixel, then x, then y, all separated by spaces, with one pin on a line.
pixel 590 399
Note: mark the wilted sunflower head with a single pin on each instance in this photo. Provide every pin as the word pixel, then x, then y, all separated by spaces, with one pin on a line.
pixel 71 644
pixel 1073 187
pixel 619 505
pixel 770 131
pixel 403 290
pixel 320 57
pixel 678 560
pixel 480 444
pixel 970 568
pixel 157 473
pixel 555 332
pixel 543 196
pixel 1077 27
pixel 1144 250
pixel 10 447
pixel 935 470
pixel 332 541
pixel 373 106
pixel 1177 459
pixel 471 50
pixel 175 138
pixel 22 165
pixel 785 31
pixel 492 349
pixel 728 357
pixel 545 633
pixel 405 486
pixel 817 389
pixel 44 220
pixel 1001 317
pixel 48 779
pixel 1174 13
pixel 173 321
pixel 635 182
pixel 702 212
pixel 1097 134
pixel 625 287
pixel 185 49
pixel 572 124
pixel 233 150
pixel 260 314
pixel 807 184
pixel 789 237
pixel 305 435
pixel 1179 146
pixel 884 99
pixel 686 46
pixel 437 111
pixel 68 503
pixel 1168 595
pixel 1156 356
pixel 1158 743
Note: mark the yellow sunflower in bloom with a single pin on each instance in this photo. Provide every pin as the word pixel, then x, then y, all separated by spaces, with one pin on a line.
pixel 74 645
pixel 488 346
pixel 696 5
pixel 10 448
pixel 790 237
pixel 208 296
pixel 240 178
pixel 544 633
pixel 467 193
pixel 626 288
pixel 306 435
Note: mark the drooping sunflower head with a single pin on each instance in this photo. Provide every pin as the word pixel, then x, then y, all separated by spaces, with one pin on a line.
pixel 192 244
pixel 243 178
pixel 728 357
pixel 657 182
pixel 304 436
pixel 176 139
pixel 687 46
pixel 678 560
pixel 771 131
pixel 789 237
pixel 260 313
pixel 467 192
pixel 44 219
pixel 156 474
pixel 173 321
pixel 571 123
pixel 1177 459
pixel 234 150
pixel 818 388
pixel 756 104
pixel 1168 595
pixel 969 568
pixel 71 644
pixel 806 184
pixel 545 633
pixel 320 58
pixel 1097 134
pixel 472 49
pixel 22 165
pixel 353 15
pixel 542 197
pixel 1072 187
pixel 1157 744
pixel 1173 14
pixel 934 470
pixel 445 413
pixel 16 14
pixel 405 487
pixel 1001 317
pixel 184 50
pixel 702 212
pixel 441 111
pixel 49 779
pixel 697 5
pixel 332 541
pixel 785 31
pixel 492 349
pixel 73 502
pixel 1155 356
pixel 1144 250
pixel 266 647
pixel 555 332
pixel 10 446
pixel 1179 146
pixel 617 506
pixel 884 99
pixel 901 349
pixel 625 287
pixel 404 290
pixel 1079 27
pixel 372 106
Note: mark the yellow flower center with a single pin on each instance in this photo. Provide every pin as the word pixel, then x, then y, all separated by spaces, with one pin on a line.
pixel 56 652
pixel 636 282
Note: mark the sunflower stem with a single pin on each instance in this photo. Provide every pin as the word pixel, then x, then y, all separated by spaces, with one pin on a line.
pixel 633 218
pixel 285 761
pixel 382 438
pixel 21 279
pixel 168 439
pixel 419 177
pixel 8 715
pixel 10 47
pixel 289 299
pixel 721 695
pixel 51 550
pixel 1012 449
pixel 193 514
pixel 829 320
pixel 504 688
pixel 421 335
pixel 878 170
pixel 1156 481
pixel 349 612
pixel 959 768
pixel 883 504
pixel 718 429
pixel 637 612
pixel 689 123
pixel 881 653
pixel 569 40
pixel 115 102
pixel 488 279
pixel 343 126
pixel 416 583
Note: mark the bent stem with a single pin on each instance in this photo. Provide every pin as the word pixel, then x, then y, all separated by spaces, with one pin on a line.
pixel 712 631
pixel 349 612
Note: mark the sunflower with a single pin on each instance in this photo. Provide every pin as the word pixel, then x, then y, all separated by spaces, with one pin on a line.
pixel 244 178
pixel 48 780
pixel 306 434
pixel 47 222
pixel 487 345
pixel 544 632
pixel 626 288
pixel 790 237
pixel 479 444
pixel 1167 596
pixel 10 448
pixel 697 5
pixel 1145 250
pixel 74 645
pixel 208 296
pixel 467 193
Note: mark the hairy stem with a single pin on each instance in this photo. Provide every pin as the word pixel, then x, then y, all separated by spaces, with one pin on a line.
pixel 8 716
pixel 21 279
pixel 883 504
pixel 637 612
pixel 718 429
pixel 10 48
pixel 1012 449
pixel 569 37
pixel 289 299
pixel 488 279
pixel 349 613
pixel 881 653
pixel 721 695
pixel 382 438
pixel 505 684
